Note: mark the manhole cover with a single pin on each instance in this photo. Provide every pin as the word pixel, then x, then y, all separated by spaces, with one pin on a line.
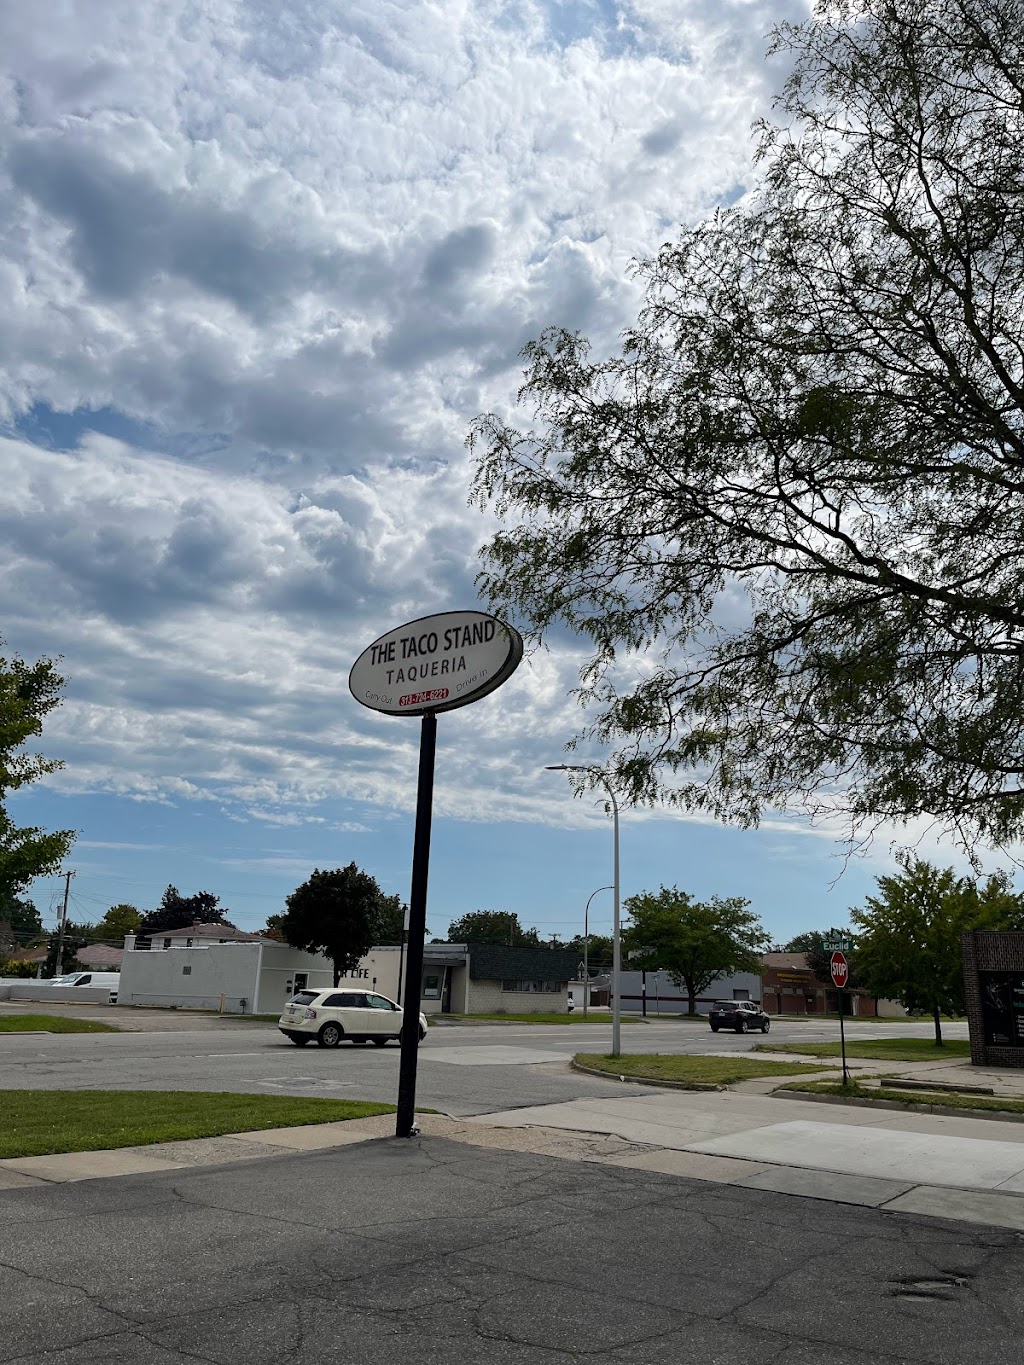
pixel 933 1287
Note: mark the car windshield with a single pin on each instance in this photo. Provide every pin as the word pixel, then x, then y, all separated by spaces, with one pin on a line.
pixel 304 997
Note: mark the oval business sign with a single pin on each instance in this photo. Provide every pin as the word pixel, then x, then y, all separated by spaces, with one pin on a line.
pixel 436 663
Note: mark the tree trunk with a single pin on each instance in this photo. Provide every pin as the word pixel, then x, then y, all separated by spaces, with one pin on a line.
pixel 691 1005
pixel 337 973
pixel 938 1026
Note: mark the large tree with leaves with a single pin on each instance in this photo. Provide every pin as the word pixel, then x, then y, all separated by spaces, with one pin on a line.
pixel 25 924
pixel 908 943
pixel 176 911
pixel 695 941
pixel 28 693
pixel 492 926
pixel 338 913
pixel 798 492
pixel 119 920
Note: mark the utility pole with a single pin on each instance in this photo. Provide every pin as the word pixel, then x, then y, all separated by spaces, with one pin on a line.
pixel 63 921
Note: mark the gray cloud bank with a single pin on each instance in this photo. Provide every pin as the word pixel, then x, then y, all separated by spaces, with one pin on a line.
pixel 304 254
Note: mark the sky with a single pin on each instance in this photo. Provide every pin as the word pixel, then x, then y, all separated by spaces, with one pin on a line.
pixel 261 264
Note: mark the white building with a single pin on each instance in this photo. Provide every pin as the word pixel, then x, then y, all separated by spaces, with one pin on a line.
pixel 653 993
pixel 214 967
pixel 236 973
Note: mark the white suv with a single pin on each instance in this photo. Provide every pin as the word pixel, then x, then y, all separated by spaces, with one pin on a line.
pixel 331 1015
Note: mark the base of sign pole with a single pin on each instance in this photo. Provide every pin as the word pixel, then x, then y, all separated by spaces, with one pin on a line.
pixel 842 1037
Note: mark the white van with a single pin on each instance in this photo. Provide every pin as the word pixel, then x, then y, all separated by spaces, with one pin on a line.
pixel 97 980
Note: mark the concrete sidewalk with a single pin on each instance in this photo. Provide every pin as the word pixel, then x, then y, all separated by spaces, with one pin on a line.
pixel 895 1161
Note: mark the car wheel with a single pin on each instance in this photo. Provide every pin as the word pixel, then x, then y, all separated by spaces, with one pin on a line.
pixel 423 1034
pixel 714 1028
pixel 741 1027
pixel 766 1026
pixel 330 1035
pixel 299 1041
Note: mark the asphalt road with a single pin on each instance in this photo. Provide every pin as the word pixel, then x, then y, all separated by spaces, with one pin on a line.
pixel 426 1252
pixel 463 1070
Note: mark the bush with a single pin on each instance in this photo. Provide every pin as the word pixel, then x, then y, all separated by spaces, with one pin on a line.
pixel 22 969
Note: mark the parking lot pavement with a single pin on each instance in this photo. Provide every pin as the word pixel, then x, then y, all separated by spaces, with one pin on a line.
pixel 420 1252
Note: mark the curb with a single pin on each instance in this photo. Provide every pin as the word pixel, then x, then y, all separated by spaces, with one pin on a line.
pixel 643 1080
pixel 944 1110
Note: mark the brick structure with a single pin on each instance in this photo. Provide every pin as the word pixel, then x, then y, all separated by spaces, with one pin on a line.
pixel 994 990
pixel 788 986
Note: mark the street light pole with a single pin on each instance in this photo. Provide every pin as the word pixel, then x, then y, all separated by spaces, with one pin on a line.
pixel 602 777
pixel 586 947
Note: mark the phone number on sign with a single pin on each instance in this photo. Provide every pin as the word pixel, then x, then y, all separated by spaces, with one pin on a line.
pixel 423 698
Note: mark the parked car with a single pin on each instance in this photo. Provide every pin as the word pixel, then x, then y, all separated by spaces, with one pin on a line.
pixel 330 1015
pixel 97 980
pixel 742 1015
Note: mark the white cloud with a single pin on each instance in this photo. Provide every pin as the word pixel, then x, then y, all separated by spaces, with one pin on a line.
pixel 282 256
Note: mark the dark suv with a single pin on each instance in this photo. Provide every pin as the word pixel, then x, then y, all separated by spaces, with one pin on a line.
pixel 742 1015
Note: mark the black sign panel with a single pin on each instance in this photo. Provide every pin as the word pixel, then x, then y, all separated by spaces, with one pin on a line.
pixel 1002 1008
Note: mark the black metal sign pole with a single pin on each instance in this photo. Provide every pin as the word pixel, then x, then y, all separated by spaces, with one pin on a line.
pixel 842 1032
pixel 406 1126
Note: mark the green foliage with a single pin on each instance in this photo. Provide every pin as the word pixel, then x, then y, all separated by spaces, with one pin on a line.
pixel 910 1099
pixel 75 936
pixel 39 1122
pixel 51 1023
pixel 879 1049
pixel 176 911
pixel 804 943
pixel 119 920
pixel 17 969
pixel 28 693
pixel 819 959
pixel 908 946
pixel 24 920
pixel 390 921
pixel 337 913
pixel 695 941
pixel 492 926
pixel 599 952
pixel 813 439
pixel 691 1071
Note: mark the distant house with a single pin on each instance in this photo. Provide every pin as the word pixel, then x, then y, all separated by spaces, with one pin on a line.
pixel 99 957
pixel 192 934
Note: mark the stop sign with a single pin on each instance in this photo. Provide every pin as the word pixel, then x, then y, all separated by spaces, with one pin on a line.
pixel 840 970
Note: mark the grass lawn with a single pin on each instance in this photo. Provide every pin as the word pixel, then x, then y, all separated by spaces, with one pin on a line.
pixel 920 1097
pixel 41 1122
pixel 885 1049
pixel 51 1023
pixel 691 1070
